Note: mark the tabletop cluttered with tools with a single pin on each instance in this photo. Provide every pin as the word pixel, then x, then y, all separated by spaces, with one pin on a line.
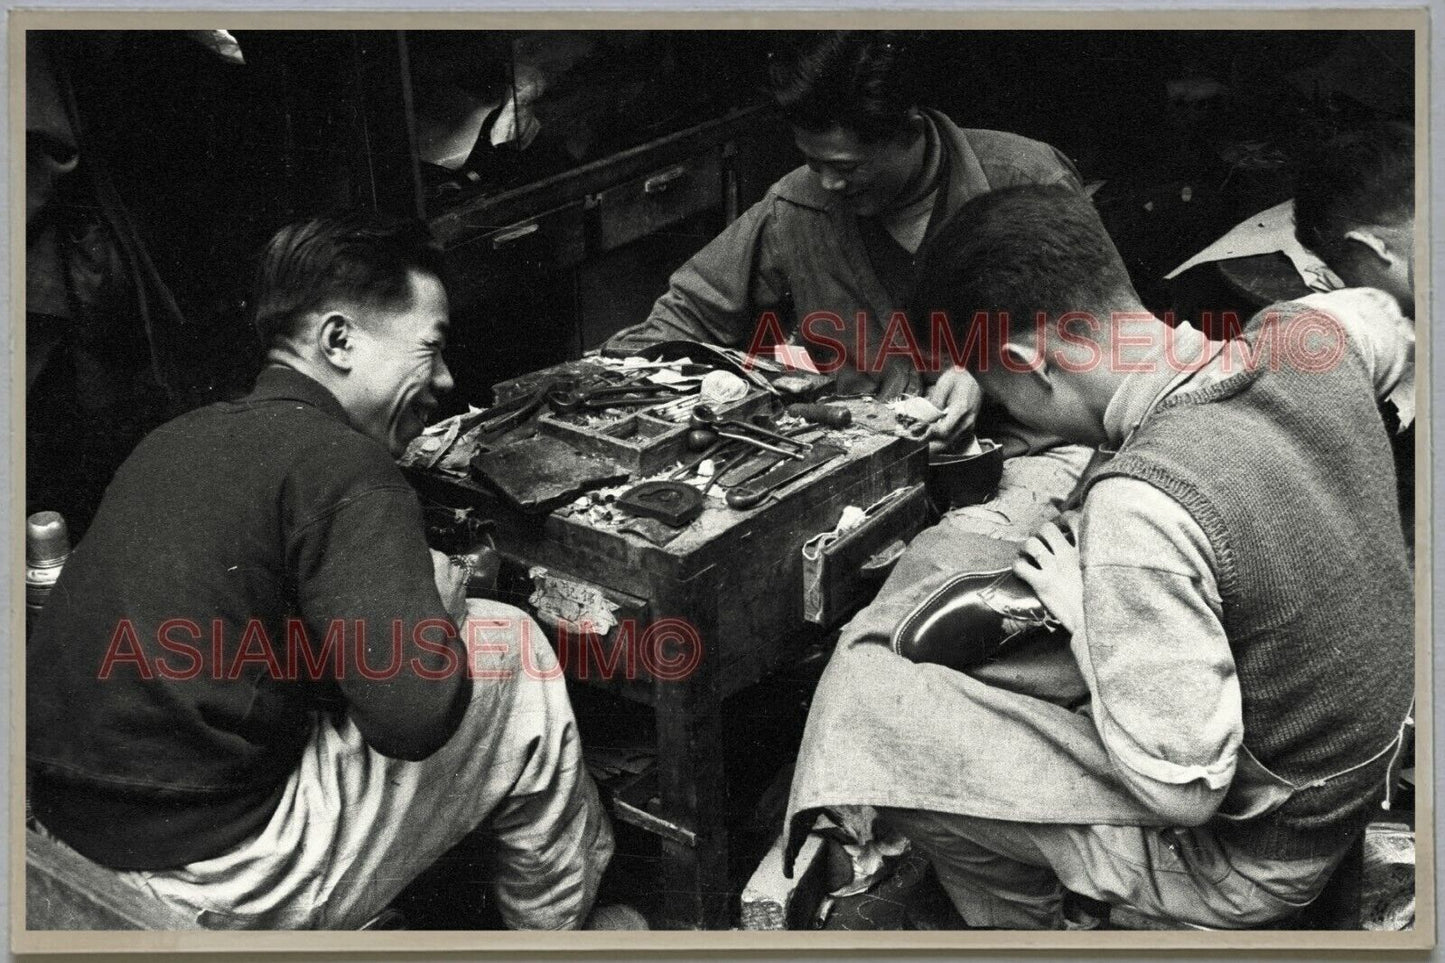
pixel 704 516
pixel 670 454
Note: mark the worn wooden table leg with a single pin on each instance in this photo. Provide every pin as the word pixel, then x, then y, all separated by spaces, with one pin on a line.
pixel 690 766
pixel 695 878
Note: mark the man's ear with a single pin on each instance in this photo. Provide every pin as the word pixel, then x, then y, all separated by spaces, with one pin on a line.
pixel 1022 362
pixel 334 340
pixel 1371 240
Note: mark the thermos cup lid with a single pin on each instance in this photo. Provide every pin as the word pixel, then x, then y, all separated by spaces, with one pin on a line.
pixel 47 539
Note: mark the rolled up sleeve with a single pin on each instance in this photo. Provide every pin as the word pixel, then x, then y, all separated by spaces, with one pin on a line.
pixel 1152 649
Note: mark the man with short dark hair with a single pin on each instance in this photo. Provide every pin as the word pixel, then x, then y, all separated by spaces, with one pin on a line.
pixel 839 239
pixel 255 694
pixel 842 239
pixel 1217 735
pixel 1354 206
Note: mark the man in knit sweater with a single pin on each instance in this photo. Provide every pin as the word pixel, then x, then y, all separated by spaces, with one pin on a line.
pixel 254 695
pixel 1237 597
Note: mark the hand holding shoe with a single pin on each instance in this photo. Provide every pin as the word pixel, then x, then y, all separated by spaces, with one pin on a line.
pixel 1049 564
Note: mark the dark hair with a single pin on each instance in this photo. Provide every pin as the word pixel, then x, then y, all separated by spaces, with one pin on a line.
pixel 1363 177
pixel 355 258
pixel 1020 250
pixel 855 79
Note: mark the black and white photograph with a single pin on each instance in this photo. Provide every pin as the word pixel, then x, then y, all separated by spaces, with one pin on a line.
pixel 941 479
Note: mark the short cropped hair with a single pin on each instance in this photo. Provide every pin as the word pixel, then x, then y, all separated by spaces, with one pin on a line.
pixel 1020 250
pixel 353 259
pixel 859 80
pixel 1359 178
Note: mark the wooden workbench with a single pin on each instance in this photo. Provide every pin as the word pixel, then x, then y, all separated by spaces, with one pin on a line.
pixel 734 577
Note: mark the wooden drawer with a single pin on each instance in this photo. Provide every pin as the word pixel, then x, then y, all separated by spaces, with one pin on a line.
pixel 509 264
pixel 834 584
pixel 552 239
pixel 658 199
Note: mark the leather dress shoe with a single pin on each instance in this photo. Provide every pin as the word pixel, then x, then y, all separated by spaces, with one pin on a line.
pixel 955 479
pixel 970 618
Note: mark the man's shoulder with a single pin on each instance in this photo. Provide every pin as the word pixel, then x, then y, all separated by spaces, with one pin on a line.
pixel 1012 158
pixel 273 442
pixel 1006 158
pixel 282 425
pixel 989 144
pixel 328 454
pixel 799 187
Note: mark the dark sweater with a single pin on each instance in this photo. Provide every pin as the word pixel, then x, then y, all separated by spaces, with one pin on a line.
pixel 1289 474
pixel 234 523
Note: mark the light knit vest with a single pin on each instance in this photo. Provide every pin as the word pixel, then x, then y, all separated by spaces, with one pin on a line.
pixel 1289 473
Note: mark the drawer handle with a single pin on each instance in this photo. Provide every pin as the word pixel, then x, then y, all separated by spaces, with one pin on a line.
pixel 503 238
pixel 662 182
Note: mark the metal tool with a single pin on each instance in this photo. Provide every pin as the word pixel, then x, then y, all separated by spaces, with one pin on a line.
pixel 759 443
pixel 703 416
pixel 765 425
pixel 725 467
pixel 672 501
pixel 570 401
pixel 505 416
pixel 764 461
pixel 743 497
pixel 713 449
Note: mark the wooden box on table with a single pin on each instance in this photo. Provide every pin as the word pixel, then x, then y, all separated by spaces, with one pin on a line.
pixel 714 610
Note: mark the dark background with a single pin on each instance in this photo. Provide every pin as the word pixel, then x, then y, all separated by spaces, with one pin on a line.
pixel 1189 131
pixel 187 164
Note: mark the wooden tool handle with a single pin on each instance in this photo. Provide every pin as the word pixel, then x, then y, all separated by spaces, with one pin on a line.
pixel 743 498
pixel 828 415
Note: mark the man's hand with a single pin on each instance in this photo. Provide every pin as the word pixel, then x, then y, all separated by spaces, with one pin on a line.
pixel 451 580
pixel 959 397
pixel 1049 563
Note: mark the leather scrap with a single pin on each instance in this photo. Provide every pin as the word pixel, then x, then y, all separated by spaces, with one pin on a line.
pixel 542 473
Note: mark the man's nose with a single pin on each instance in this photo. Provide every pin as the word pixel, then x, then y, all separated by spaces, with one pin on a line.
pixel 442 378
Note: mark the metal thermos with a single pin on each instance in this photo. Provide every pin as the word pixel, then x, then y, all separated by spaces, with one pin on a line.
pixel 47 546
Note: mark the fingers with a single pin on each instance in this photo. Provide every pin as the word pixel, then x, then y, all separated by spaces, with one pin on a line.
pixel 946 433
pixel 1058 539
pixel 1033 552
pixel 1055 538
pixel 958 416
pixel 960 411
pixel 1029 572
